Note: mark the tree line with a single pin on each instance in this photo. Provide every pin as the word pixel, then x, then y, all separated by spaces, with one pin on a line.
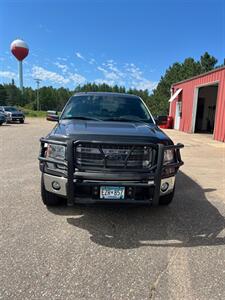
pixel 55 98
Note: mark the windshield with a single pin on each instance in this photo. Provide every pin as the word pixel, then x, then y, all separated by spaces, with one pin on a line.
pixel 106 108
pixel 10 108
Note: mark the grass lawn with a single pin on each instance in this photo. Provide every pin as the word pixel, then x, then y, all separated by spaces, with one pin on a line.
pixel 34 113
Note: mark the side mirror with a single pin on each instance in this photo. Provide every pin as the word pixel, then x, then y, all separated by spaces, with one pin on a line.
pixel 53 117
pixel 160 120
pixel 156 120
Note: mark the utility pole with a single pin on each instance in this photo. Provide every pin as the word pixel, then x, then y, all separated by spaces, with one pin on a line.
pixel 38 85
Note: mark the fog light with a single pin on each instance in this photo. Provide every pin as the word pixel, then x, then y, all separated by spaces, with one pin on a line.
pixel 56 185
pixel 164 186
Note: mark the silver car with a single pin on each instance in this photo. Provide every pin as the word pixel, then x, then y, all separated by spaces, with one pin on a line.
pixel 2 118
pixel 7 114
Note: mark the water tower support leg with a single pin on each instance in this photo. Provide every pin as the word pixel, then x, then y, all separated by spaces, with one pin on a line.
pixel 21 75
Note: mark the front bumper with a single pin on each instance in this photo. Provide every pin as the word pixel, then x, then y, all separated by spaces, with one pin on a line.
pixel 2 120
pixel 79 186
pixel 81 190
pixel 17 118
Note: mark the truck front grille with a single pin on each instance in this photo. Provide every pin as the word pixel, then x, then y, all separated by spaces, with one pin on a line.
pixel 113 156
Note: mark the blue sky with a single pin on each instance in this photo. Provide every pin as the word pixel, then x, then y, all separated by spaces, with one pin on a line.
pixel 124 42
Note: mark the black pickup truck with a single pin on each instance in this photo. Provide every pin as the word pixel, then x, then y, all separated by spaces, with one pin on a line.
pixel 106 147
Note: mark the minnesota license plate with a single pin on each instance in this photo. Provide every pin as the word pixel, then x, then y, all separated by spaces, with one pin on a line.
pixel 112 192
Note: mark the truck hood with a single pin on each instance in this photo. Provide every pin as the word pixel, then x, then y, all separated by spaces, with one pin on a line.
pixel 80 129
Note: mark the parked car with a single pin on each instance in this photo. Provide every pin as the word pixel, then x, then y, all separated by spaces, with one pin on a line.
pixel 166 122
pixel 51 115
pixel 16 114
pixel 2 118
pixel 106 147
pixel 8 114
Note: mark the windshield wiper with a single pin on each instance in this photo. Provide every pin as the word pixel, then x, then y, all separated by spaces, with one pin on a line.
pixel 126 120
pixel 81 118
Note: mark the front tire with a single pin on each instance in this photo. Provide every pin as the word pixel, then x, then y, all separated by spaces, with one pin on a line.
pixel 166 199
pixel 21 121
pixel 49 199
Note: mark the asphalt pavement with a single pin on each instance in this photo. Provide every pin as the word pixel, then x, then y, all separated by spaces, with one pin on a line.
pixel 111 251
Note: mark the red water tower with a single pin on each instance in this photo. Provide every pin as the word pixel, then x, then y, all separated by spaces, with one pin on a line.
pixel 20 50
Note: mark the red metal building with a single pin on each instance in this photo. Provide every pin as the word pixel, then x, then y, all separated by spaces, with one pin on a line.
pixel 197 104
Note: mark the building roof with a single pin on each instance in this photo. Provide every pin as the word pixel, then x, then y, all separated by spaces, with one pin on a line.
pixel 200 75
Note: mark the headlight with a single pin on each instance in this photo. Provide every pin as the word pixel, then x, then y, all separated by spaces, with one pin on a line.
pixel 8 115
pixel 168 157
pixel 55 151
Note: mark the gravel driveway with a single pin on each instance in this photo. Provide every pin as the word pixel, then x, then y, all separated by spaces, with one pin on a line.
pixel 111 251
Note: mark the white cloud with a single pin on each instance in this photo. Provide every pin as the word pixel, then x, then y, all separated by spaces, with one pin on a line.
pixel 111 65
pixel 39 72
pixel 109 75
pixel 8 74
pixel 77 78
pixel 134 71
pixel 62 58
pixel 137 80
pixel 92 61
pixel 73 67
pixel 66 78
pixel 111 72
pixel 63 67
pixel 80 56
pixel 145 85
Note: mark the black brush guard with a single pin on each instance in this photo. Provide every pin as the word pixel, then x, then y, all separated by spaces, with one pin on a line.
pixel 156 171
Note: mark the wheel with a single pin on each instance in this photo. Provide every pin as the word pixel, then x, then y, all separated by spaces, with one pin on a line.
pixel 167 199
pixel 21 121
pixel 49 199
pixel 1 124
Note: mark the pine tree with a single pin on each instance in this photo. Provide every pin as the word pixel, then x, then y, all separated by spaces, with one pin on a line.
pixel 3 95
pixel 207 62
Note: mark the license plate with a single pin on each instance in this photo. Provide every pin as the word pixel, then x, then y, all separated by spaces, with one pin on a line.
pixel 112 192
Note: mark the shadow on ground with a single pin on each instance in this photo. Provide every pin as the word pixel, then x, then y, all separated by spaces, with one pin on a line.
pixel 191 220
